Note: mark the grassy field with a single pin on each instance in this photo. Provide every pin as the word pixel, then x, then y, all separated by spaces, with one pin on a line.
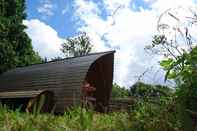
pixel 76 119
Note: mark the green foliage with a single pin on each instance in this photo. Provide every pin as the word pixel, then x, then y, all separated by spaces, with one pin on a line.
pixel 180 67
pixel 76 119
pixel 153 109
pixel 180 64
pixel 184 71
pixel 155 115
pixel 183 68
pixel 77 46
pixel 119 92
pixel 38 105
pixel 143 90
pixel 15 45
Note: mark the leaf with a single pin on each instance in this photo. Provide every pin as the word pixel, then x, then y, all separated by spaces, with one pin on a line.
pixel 166 75
pixel 166 64
pixel 172 75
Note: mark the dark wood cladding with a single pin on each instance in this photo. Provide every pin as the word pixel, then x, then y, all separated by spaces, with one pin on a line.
pixel 64 78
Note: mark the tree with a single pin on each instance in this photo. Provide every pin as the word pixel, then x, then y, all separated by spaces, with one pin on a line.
pixel 180 61
pixel 177 44
pixel 15 45
pixel 152 108
pixel 119 92
pixel 140 89
pixel 77 46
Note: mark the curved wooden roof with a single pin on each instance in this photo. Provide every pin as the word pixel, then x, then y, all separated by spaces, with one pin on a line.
pixel 64 73
pixel 64 78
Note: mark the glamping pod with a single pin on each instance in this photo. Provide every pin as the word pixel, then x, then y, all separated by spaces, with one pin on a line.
pixel 65 83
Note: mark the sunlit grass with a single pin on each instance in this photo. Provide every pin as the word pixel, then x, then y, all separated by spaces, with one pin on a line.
pixel 76 119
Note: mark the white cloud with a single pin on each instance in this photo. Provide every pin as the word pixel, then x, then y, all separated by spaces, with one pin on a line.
pixel 87 9
pixel 46 8
pixel 112 5
pixel 129 30
pixel 45 39
pixel 162 5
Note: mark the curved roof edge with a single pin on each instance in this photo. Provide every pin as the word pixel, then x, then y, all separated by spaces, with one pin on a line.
pixel 67 58
pixel 95 53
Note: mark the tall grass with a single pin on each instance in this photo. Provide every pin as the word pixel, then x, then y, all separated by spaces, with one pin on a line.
pixel 77 119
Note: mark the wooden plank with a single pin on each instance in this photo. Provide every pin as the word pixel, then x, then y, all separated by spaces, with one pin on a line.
pixel 20 94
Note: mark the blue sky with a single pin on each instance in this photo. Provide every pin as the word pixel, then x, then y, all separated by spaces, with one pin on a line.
pixel 63 23
pixel 62 13
pixel 126 26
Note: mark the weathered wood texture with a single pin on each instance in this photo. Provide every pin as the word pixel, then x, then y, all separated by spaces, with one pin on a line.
pixel 64 78
pixel 20 94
